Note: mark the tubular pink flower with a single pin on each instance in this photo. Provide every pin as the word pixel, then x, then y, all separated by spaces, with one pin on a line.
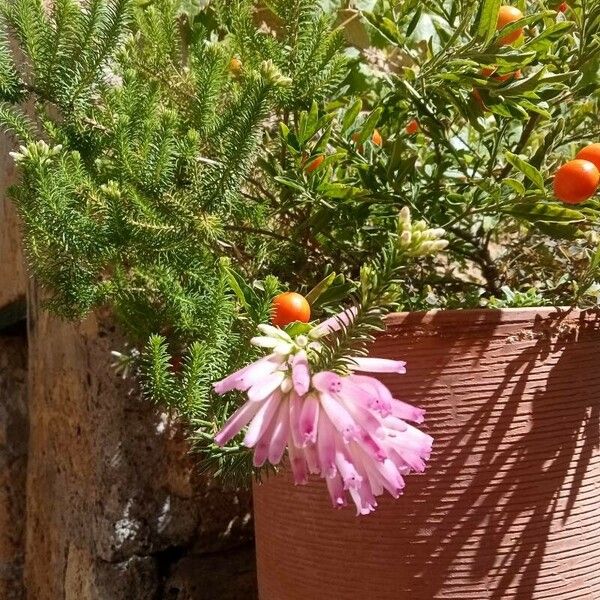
pixel 297 464
pixel 364 500
pixel 312 459
pixel 347 429
pixel 280 433
pixel 264 388
pixel 240 418
pixel 261 449
pixel 335 487
pixel 309 420
pixel 378 365
pixel 326 447
pixel 248 375
pixel 335 323
pixel 262 419
pixel 327 382
pixel 340 417
pixel 295 410
pixel 350 476
pixel 403 410
pixel 365 390
pixel 300 373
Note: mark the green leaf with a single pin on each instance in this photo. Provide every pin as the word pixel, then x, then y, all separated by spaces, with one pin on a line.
pixel 551 34
pixel 415 20
pixel 297 328
pixel 524 22
pixel 321 287
pixel 235 283
pixel 488 19
pixel 308 123
pixel 350 115
pixel 369 125
pixel 528 170
pixel 544 212
pixel 516 185
pixel 289 183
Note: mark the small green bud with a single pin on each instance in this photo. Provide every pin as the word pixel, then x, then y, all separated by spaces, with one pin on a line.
pixel 272 74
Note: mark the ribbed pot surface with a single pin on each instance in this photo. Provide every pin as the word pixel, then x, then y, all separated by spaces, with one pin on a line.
pixel 509 507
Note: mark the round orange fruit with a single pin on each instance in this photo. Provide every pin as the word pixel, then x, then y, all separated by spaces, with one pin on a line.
pixel 591 153
pixel 506 16
pixel 576 181
pixel 314 164
pixel 290 307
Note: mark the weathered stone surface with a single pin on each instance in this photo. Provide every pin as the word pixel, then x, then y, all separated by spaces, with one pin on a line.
pixel 13 463
pixel 87 578
pixel 112 494
pixel 223 576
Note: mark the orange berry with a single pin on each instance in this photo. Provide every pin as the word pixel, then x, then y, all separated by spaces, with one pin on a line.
pixel 314 164
pixel 591 153
pixel 576 181
pixel 412 127
pixel 290 307
pixel 377 139
pixel 476 95
pixel 235 66
pixel 491 71
pixel 563 7
pixel 507 15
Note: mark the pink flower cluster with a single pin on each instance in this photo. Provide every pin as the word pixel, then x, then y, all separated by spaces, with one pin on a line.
pixel 347 429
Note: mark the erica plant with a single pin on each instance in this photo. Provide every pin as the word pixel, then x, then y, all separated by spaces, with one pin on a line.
pixel 184 165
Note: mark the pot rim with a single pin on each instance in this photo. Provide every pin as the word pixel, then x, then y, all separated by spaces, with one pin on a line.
pixel 489 316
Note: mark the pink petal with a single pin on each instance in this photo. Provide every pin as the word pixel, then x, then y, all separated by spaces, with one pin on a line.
pixel 280 434
pixel 364 500
pixel 297 463
pixel 336 490
pixel 261 450
pixel 372 447
pixel 295 410
pixel 256 372
pixel 309 419
pixel 392 480
pixel 370 392
pixel 403 410
pixel 395 423
pixel 326 447
pixel 335 323
pixel 340 417
pixel 266 386
pixel 364 417
pixel 243 378
pixel 327 382
pixel 412 459
pixel 415 440
pixel 312 459
pixel 240 418
pixel 352 478
pixel 300 373
pixel 263 418
pixel 378 365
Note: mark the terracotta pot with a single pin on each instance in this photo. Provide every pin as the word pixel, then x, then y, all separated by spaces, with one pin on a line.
pixel 509 507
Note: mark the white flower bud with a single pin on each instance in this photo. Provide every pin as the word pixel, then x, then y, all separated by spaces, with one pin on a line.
pixel 404 218
pixel 405 238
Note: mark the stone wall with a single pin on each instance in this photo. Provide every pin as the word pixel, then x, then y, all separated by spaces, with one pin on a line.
pixel 13 460
pixel 99 498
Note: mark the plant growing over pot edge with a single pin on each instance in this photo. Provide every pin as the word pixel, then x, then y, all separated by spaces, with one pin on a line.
pixel 186 193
